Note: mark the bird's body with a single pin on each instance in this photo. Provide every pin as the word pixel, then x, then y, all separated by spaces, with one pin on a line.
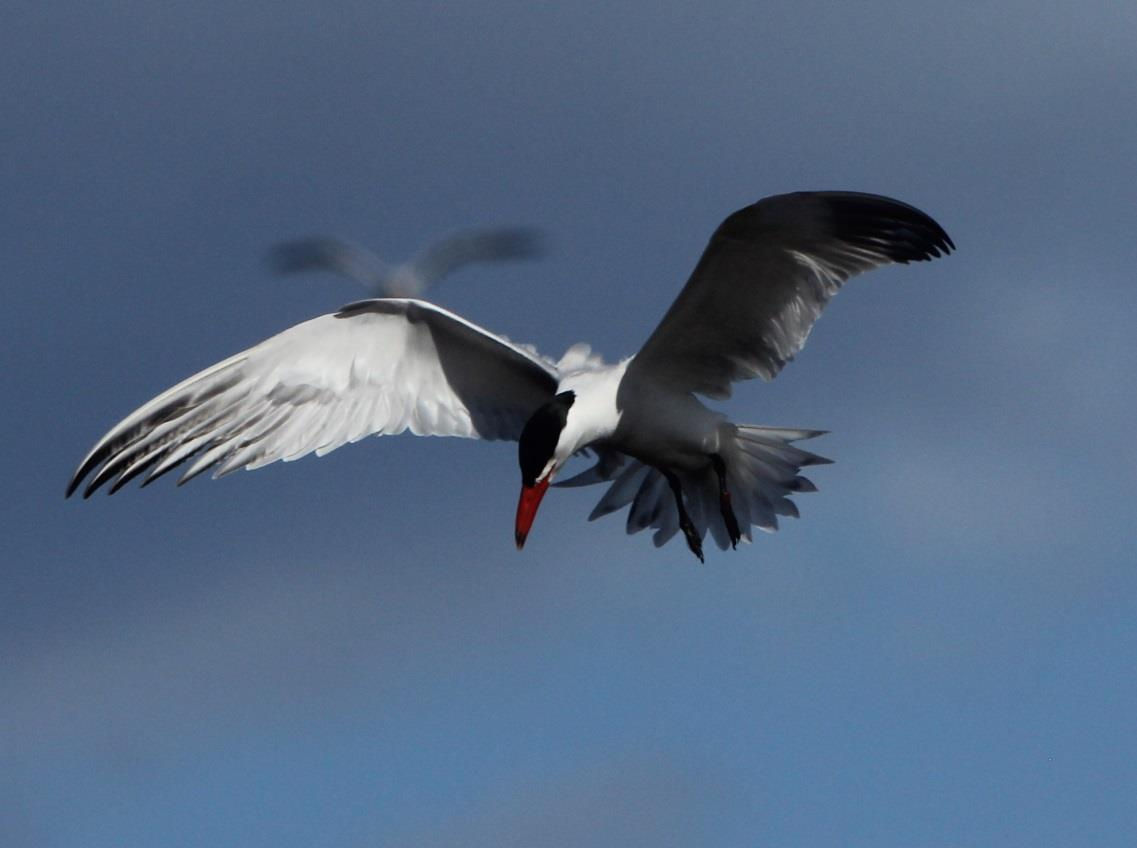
pixel 666 428
pixel 387 365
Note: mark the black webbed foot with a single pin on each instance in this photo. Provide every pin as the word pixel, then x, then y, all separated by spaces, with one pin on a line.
pixel 693 540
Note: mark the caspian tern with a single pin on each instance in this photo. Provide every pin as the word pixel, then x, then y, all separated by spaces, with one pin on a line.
pixel 413 277
pixel 387 365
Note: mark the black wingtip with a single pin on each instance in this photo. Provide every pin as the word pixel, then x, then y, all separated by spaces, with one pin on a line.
pixel 82 472
pixel 903 232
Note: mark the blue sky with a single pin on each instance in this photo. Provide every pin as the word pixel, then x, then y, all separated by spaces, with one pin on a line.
pixel 349 652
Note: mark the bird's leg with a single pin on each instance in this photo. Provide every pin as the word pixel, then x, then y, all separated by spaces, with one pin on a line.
pixel 727 510
pixel 693 540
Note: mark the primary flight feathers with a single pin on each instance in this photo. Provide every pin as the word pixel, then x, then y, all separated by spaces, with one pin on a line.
pixel 387 365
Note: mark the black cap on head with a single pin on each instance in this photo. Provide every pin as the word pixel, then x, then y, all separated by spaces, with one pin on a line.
pixel 539 437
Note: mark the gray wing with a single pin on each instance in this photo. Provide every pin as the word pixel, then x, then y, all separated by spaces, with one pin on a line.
pixel 373 368
pixel 331 253
pixel 764 278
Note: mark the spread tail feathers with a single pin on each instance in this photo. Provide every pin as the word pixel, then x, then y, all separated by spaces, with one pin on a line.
pixel 762 472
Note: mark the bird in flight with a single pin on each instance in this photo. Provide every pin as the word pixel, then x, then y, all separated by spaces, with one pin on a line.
pixel 413 277
pixel 386 365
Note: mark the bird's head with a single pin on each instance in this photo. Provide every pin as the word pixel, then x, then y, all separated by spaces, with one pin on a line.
pixel 539 457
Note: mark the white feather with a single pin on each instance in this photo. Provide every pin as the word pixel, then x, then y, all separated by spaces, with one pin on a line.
pixel 381 366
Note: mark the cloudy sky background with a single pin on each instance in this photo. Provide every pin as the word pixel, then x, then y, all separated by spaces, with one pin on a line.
pixel 349 651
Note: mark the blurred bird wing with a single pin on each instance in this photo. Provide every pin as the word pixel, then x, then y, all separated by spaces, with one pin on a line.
pixel 463 248
pixel 373 368
pixel 331 253
pixel 764 278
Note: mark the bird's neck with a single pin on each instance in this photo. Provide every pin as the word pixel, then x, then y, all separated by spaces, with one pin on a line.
pixel 594 415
